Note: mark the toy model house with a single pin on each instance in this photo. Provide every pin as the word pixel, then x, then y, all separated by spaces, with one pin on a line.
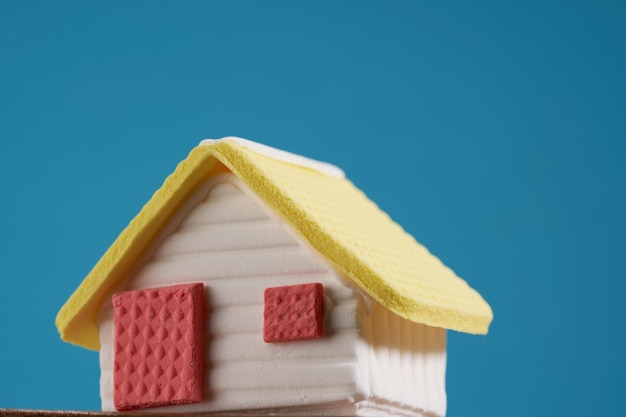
pixel 255 279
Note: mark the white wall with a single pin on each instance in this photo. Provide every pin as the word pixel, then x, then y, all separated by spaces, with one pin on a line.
pixel 226 238
pixel 232 245
pixel 401 362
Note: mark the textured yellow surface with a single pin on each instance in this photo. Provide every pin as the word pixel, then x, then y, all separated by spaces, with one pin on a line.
pixel 348 229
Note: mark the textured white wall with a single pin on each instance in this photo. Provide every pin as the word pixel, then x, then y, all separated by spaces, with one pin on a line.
pixel 233 245
pixel 402 362
pixel 226 238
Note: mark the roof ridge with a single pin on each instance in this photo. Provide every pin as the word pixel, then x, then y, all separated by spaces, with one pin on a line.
pixel 282 155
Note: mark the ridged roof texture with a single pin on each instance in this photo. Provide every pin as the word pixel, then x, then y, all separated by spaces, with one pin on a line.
pixel 335 217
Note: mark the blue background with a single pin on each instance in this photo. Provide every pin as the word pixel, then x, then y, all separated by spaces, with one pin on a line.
pixel 494 133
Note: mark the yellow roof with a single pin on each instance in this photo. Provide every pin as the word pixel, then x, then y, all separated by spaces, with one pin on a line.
pixel 348 229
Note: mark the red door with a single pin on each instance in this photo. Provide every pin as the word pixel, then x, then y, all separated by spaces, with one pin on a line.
pixel 159 335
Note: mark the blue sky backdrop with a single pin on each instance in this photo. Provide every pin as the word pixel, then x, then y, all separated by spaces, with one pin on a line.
pixel 492 131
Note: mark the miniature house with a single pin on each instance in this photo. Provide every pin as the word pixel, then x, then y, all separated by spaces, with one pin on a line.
pixel 255 279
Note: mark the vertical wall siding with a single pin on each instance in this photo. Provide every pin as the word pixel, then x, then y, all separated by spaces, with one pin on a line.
pixel 225 239
pixel 405 363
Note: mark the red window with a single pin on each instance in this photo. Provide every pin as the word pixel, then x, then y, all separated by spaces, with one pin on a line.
pixel 294 312
pixel 158 346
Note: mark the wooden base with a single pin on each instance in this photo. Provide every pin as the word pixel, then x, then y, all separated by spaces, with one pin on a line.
pixel 14 412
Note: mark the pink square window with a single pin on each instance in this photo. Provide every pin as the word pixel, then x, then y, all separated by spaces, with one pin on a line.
pixel 294 312
pixel 158 344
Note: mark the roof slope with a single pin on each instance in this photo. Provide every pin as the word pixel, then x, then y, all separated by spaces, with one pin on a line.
pixel 334 216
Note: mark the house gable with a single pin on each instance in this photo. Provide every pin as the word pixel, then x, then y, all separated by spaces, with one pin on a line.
pixel 228 240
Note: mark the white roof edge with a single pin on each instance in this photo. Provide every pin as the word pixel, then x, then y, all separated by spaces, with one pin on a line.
pixel 292 158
